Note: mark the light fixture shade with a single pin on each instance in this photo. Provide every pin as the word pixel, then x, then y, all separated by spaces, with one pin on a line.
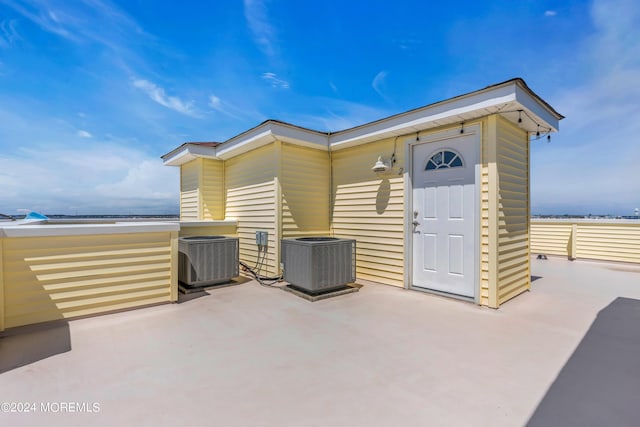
pixel 380 166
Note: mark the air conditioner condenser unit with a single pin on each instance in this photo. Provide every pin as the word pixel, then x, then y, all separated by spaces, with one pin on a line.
pixel 207 260
pixel 319 264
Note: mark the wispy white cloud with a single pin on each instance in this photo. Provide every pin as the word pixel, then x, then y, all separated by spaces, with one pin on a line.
pixel 379 84
pixel 274 81
pixel 215 102
pixel 339 115
pixel 144 178
pixel 46 17
pixel 256 14
pixel 90 23
pixel 95 20
pixel 159 95
pixel 54 16
pixel 616 43
pixel 409 44
pixel 9 34
pixel 223 107
pixel 595 155
pixel 128 179
pixel 550 13
pixel 84 134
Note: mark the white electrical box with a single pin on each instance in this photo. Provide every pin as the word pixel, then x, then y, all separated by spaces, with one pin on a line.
pixel 262 238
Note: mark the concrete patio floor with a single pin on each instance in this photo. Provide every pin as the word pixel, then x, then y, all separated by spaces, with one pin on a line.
pixel 248 355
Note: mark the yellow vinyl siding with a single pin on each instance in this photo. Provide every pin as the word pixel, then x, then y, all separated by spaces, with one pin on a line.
pixel 484 236
pixel 550 238
pixel 212 190
pixel 608 242
pixel 597 240
pixel 370 209
pixel 512 155
pixel 209 230
pixel 304 181
pixel 251 199
pixel 504 212
pixel 488 215
pixel 49 278
pixel 190 190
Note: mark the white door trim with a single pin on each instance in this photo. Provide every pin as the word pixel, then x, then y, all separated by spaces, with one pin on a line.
pixel 408 206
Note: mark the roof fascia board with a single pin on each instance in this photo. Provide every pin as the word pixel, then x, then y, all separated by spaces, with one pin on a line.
pixel 270 132
pixel 188 153
pixel 299 136
pixel 461 108
pixel 407 122
pixel 255 138
pixel 533 104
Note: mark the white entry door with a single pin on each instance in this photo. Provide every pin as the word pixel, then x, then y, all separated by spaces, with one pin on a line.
pixel 444 214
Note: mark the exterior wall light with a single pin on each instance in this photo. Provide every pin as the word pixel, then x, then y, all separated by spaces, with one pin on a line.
pixel 380 166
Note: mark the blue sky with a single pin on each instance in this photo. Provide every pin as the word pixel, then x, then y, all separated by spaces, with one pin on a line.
pixel 92 92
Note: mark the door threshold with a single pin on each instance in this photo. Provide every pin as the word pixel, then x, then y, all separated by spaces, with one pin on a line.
pixel 443 294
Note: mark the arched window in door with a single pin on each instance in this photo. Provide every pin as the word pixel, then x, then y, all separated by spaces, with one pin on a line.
pixel 444 159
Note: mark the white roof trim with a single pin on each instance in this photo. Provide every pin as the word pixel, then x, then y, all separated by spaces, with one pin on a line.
pixel 250 140
pixel 48 230
pixel 461 109
pixel 270 132
pixel 506 98
pixel 255 139
pixel 305 137
pixel 426 118
pixel 533 105
pixel 188 153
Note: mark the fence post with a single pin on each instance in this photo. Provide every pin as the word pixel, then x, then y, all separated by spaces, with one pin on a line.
pixel 572 241
pixel 173 275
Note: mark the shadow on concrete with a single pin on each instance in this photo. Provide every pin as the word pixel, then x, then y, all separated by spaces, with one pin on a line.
pixel 28 344
pixel 187 293
pixel 534 278
pixel 188 296
pixel 600 383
